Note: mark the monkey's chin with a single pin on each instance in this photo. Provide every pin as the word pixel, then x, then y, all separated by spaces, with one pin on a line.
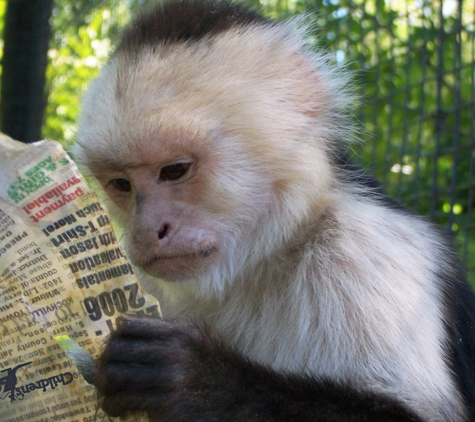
pixel 181 267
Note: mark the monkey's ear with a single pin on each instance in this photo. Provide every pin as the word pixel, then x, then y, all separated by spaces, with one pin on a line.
pixel 303 83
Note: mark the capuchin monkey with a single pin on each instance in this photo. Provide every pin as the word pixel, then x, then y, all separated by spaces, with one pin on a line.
pixel 292 288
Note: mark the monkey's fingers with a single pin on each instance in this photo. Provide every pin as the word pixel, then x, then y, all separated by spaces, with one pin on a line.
pixel 125 403
pixel 127 379
pixel 148 352
pixel 153 328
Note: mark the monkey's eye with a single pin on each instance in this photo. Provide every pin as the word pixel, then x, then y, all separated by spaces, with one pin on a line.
pixel 174 171
pixel 122 185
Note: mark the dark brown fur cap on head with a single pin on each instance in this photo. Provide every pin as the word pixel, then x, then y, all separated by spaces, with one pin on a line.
pixel 184 21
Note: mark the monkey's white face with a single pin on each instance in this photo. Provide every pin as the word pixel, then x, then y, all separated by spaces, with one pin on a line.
pixel 165 235
pixel 181 203
pixel 208 164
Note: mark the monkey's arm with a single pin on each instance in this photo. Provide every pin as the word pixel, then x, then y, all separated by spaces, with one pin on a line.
pixel 177 371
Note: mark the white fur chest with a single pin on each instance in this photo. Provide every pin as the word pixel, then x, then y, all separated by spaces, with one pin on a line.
pixel 359 306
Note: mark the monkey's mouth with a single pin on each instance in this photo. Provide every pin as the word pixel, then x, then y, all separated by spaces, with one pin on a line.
pixel 176 266
pixel 202 253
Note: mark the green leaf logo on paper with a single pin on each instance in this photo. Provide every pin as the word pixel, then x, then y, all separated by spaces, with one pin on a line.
pixel 9 389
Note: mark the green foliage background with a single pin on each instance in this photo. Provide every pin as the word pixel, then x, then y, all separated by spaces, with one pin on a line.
pixel 413 63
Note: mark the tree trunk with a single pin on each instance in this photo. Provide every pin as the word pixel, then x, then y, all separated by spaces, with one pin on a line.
pixel 23 99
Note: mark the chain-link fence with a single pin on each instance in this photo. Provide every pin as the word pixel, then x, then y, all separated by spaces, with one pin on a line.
pixel 417 61
pixel 414 65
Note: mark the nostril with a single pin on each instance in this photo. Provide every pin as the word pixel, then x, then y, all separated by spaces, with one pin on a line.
pixel 163 231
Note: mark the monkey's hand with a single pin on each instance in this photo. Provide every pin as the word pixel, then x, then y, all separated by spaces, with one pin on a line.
pixel 175 371
pixel 179 372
